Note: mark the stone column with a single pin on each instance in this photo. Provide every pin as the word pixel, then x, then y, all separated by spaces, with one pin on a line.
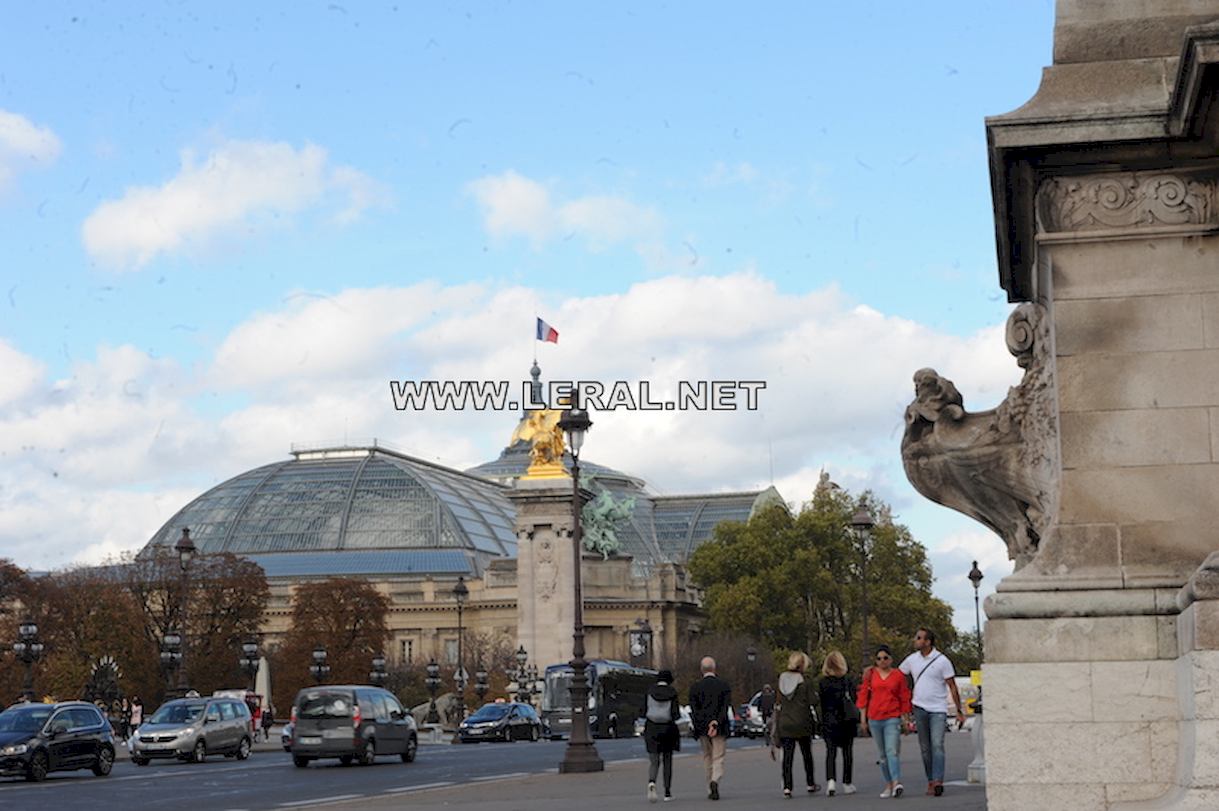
pixel 1100 470
pixel 545 595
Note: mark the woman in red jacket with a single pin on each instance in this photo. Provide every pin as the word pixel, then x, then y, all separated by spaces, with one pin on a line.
pixel 884 697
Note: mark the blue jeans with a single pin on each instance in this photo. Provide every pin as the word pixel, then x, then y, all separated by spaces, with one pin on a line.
pixel 888 736
pixel 931 727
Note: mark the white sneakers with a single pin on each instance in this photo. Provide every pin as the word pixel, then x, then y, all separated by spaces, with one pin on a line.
pixel 830 791
pixel 886 794
pixel 848 788
pixel 652 793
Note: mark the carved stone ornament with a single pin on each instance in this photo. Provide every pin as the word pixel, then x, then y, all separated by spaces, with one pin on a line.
pixel 1203 584
pixel 999 467
pixel 1125 200
pixel 546 571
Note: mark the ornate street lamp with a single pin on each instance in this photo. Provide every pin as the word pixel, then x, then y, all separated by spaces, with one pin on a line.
pixel 523 691
pixel 975 577
pixel 861 525
pixel 433 684
pixel 377 675
pixel 171 655
pixel 249 660
pixel 641 642
pixel 319 669
pixel 29 650
pixel 751 656
pixel 480 684
pixel 185 548
pixel 581 754
pixel 460 594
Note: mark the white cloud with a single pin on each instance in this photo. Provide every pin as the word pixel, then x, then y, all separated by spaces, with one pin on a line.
pixel 515 205
pixel 238 187
pixel 24 144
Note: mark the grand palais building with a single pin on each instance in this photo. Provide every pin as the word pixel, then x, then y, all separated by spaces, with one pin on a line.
pixel 412 528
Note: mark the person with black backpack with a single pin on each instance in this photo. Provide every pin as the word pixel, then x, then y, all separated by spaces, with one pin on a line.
pixel 839 721
pixel 660 733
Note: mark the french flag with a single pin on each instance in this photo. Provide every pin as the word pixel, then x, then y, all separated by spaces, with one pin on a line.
pixel 547 333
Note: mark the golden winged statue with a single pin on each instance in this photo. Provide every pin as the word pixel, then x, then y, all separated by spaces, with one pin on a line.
pixel 541 430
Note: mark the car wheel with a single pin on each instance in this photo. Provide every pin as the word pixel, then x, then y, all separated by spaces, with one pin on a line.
pixel 300 762
pixel 105 762
pixel 243 749
pixel 369 755
pixel 347 760
pixel 412 749
pixel 200 751
pixel 534 735
pixel 37 770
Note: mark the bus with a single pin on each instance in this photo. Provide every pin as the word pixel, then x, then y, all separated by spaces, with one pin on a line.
pixel 617 695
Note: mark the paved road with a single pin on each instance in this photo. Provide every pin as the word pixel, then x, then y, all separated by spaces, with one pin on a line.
pixel 493 772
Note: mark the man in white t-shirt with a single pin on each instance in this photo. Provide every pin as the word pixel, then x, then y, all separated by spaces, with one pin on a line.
pixel 934 678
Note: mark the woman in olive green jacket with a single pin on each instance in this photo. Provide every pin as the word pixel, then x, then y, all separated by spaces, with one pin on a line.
pixel 795 720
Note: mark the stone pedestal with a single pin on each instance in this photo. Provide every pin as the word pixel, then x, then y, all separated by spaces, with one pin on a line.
pixel 1100 470
pixel 545 592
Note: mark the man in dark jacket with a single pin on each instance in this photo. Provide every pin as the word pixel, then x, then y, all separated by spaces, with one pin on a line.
pixel 710 699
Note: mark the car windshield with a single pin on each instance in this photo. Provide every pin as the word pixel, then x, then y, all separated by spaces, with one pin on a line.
pixel 324 705
pixel 24 719
pixel 490 712
pixel 177 714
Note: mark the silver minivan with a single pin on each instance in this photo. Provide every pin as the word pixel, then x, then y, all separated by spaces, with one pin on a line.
pixel 351 722
pixel 192 729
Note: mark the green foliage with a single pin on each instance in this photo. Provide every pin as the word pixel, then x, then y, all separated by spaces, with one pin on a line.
pixel 794 581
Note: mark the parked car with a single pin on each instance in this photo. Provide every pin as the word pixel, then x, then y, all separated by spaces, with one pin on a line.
pixel 192 729
pixel 285 736
pixel 351 722
pixel 752 725
pixel 684 724
pixel 505 721
pixel 36 739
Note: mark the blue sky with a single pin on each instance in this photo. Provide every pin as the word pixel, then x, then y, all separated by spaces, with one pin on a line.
pixel 224 228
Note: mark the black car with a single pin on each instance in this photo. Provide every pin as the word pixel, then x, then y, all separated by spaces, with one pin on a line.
pixel 39 738
pixel 351 723
pixel 501 722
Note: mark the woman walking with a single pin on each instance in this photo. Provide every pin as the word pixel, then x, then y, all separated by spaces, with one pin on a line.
pixel 795 721
pixel 660 733
pixel 839 721
pixel 884 698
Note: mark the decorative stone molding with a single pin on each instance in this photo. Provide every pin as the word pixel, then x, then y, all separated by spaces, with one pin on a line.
pixel 999 467
pixel 1203 584
pixel 1123 201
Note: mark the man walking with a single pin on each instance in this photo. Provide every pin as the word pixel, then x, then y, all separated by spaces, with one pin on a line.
pixel 710 699
pixel 934 678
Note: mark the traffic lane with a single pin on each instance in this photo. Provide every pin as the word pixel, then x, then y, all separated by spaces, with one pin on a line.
pixel 270 779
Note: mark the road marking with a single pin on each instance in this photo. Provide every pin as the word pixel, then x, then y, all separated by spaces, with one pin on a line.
pixel 486 777
pixel 420 787
pixel 321 800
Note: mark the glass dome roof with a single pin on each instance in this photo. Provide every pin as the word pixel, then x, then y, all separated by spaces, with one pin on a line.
pixel 347 499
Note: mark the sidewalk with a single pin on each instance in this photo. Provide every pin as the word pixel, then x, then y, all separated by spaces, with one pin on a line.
pixel 751 780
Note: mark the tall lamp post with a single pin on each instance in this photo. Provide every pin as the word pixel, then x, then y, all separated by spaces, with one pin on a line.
pixel 249 661
pixel 751 656
pixel 185 548
pixel 480 684
pixel 29 650
pixel 171 656
pixel 378 675
pixel 460 593
pixel 975 577
pixel 861 525
pixel 433 684
pixel 319 669
pixel 581 754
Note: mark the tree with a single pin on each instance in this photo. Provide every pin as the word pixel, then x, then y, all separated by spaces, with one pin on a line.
pixel 13 590
pixel 794 581
pixel 346 616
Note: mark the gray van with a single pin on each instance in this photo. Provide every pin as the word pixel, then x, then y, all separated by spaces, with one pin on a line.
pixel 192 729
pixel 351 723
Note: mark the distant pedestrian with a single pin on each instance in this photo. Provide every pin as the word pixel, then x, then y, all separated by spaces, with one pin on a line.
pixel 268 719
pixel 934 678
pixel 125 718
pixel 796 721
pixel 766 703
pixel 839 721
pixel 710 700
pixel 884 697
pixel 137 714
pixel 660 733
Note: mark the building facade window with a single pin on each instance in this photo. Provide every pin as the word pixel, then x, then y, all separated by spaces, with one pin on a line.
pixel 450 651
pixel 406 651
